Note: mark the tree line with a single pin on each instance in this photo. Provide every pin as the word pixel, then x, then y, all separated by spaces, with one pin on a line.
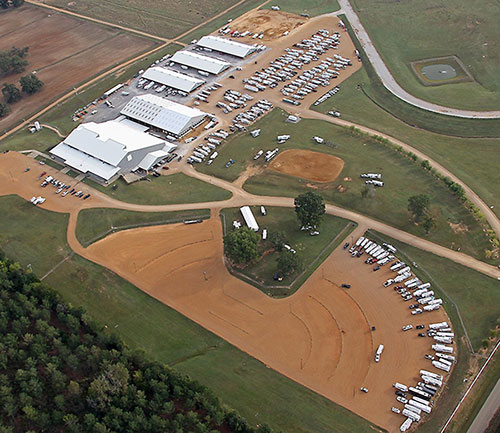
pixel 60 371
pixel 14 61
pixel 5 4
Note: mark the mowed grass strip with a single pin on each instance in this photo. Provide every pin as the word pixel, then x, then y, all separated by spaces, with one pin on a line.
pixel 172 189
pixel 389 204
pixel 311 250
pixel 437 29
pixel 311 7
pixel 157 17
pixel 257 392
pixel 474 160
pixel 94 224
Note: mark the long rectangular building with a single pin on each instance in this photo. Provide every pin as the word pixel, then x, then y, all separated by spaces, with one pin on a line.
pixel 227 46
pixel 169 116
pixel 199 62
pixel 173 79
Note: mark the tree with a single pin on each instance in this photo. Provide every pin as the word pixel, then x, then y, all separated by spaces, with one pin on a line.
pixel 278 239
pixel 17 64
pixel 11 93
pixel 4 4
pixel 30 84
pixel 288 263
pixel 310 209
pixel 428 224
pixel 17 3
pixel 241 245
pixel 4 109
pixel 418 205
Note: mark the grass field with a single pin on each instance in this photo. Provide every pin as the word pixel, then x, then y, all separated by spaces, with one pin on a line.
pixel 94 224
pixel 311 250
pixel 311 7
pixel 172 189
pixel 476 297
pixel 475 161
pixel 257 392
pixel 162 18
pixel 220 21
pixel 360 154
pixel 466 29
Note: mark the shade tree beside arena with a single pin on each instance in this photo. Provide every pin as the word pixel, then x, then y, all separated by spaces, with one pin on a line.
pixel 310 208
pixel 241 245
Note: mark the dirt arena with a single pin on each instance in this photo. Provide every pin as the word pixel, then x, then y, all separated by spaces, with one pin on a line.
pixel 320 337
pixel 313 166
pixel 272 23
pixel 64 51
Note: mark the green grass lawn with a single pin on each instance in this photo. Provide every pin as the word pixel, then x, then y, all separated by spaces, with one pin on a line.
pixel 25 140
pixel 311 7
pixel 175 188
pixel 474 161
pixel 311 250
pixel 431 28
pixel 94 224
pixel 221 21
pixel 257 392
pixel 360 154
pixel 167 19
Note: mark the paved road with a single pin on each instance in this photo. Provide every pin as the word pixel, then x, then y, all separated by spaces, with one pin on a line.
pixel 391 84
pixel 490 406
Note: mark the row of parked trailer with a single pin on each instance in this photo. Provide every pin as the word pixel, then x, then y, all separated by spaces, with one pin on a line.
pixel 419 401
pixel 204 93
pixel 246 118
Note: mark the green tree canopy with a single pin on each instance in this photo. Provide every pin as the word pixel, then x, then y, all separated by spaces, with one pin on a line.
pixel 278 239
pixel 288 263
pixel 418 205
pixel 4 109
pixel 310 209
pixel 30 84
pixel 11 93
pixel 241 245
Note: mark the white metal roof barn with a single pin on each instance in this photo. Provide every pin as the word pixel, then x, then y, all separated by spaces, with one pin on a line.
pixel 161 113
pixel 108 148
pixel 227 46
pixel 173 79
pixel 197 61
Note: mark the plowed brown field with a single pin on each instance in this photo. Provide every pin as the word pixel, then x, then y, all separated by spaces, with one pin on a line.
pixel 64 51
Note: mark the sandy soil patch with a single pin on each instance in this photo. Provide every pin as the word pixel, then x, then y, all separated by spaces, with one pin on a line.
pixel 313 166
pixel 320 337
pixel 272 23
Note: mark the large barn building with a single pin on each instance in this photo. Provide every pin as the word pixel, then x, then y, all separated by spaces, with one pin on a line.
pixel 227 46
pixel 168 116
pixel 105 150
pixel 173 79
pixel 199 62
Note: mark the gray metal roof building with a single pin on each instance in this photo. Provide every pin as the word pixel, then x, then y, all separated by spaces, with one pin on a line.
pixel 173 79
pixel 227 46
pixel 104 150
pixel 197 61
pixel 169 116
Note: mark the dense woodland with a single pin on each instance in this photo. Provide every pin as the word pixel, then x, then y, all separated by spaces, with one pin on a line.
pixel 61 372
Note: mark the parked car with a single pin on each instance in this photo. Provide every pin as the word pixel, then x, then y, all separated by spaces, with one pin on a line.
pixel 421 334
pixel 346 286
pixel 376 268
pixel 420 327
pixel 407 327
pixel 346 245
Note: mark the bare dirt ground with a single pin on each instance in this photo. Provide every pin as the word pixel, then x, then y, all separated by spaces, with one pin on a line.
pixel 272 23
pixel 64 51
pixel 314 166
pixel 320 337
